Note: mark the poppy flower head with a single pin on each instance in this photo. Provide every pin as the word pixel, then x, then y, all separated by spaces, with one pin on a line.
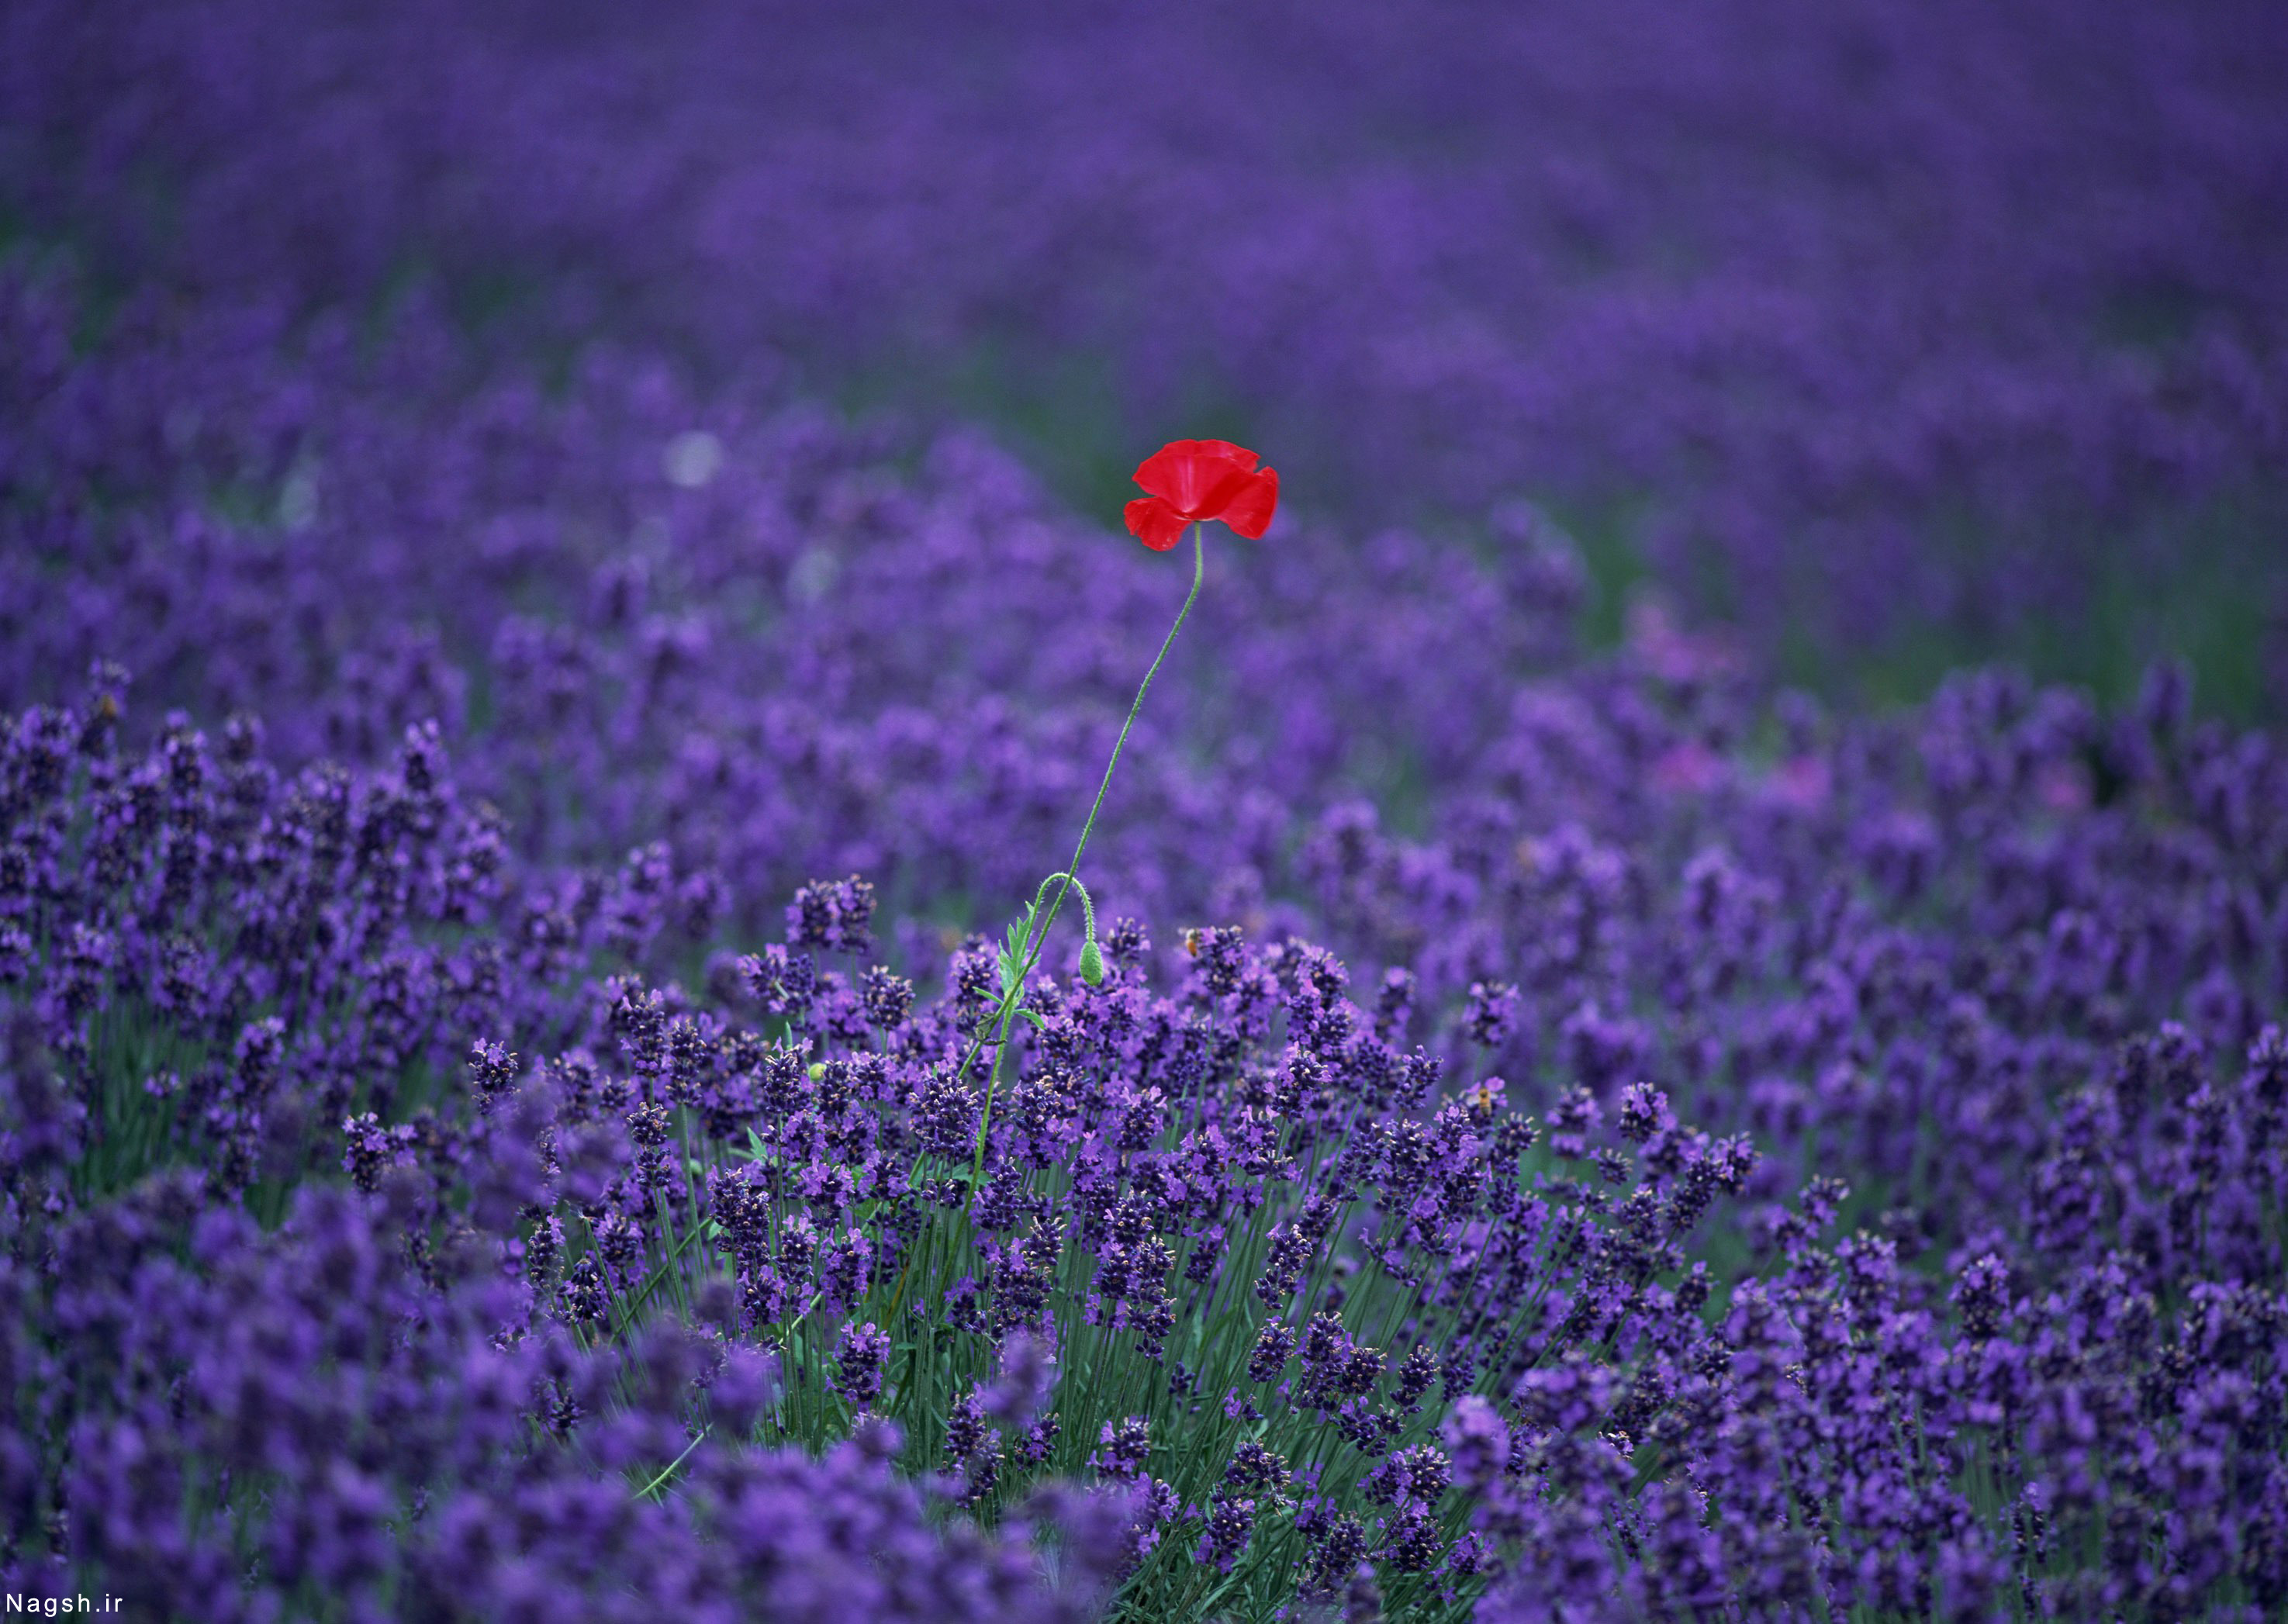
pixel 1195 479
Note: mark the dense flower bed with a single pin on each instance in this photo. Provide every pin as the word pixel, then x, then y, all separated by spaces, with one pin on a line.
pixel 1965 1297
pixel 506 1111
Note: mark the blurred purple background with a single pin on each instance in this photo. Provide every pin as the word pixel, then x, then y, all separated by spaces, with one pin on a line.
pixel 1892 335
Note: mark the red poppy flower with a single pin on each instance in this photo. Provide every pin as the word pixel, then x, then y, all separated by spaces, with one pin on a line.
pixel 1193 480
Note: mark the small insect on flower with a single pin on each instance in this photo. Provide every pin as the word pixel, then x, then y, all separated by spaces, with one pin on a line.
pixel 1192 480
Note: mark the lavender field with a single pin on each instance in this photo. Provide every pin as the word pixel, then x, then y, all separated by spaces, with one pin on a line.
pixel 1675 1008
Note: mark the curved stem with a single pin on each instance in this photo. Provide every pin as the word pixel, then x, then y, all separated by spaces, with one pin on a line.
pixel 1199 573
pixel 1035 944
pixel 1087 907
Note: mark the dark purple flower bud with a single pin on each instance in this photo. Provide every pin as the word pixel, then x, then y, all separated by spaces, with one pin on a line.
pixel 1339 1549
pixel 888 998
pixel 782 981
pixel 1124 1447
pixel 1230 1524
pixel 1415 1376
pixel 1255 1469
pixel 859 1364
pixel 832 916
pixel 1981 1297
pixel 1418 1078
pixel 1274 1345
pixel 1413 1543
pixel 966 1431
pixel 1126 943
pixel 946 1119
pixel 1644 1112
pixel 1282 1267
pixel 493 1072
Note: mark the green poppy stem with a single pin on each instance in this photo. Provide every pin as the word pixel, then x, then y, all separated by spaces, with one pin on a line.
pixel 1037 943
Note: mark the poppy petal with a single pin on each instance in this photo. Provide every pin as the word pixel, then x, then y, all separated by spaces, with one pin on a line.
pixel 1249 508
pixel 1176 473
pixel 1224 448
pixel 1155 522
pixel 1185 472
pixel 1222 492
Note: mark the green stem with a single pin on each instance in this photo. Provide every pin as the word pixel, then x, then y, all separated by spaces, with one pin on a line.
pixel 1036 939
pixel 1088 907
pixel 1199 574
pixel 1035 944
pixel 652 1487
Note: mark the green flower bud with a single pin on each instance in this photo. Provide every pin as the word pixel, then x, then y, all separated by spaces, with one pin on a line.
pixel 1092 963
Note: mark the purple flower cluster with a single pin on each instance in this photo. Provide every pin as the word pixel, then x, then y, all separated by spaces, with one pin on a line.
pixel 1995 964
pixel 871 651
pixel 301 1274
pixel 305 1300
pixel 304 1420
pixel 1587 1135
pixel 1855 312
